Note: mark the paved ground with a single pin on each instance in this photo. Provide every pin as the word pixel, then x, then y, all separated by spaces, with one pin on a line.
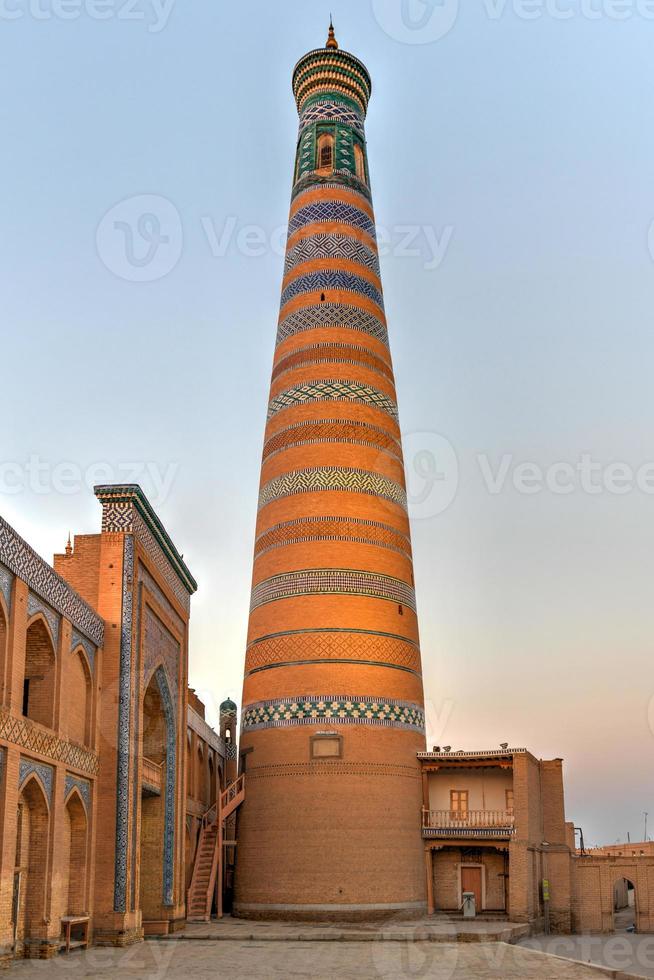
pixel 430 928
pixel 622 951
pixel 234 960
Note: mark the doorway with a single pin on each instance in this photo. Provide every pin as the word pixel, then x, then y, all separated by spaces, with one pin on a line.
pixel 472 881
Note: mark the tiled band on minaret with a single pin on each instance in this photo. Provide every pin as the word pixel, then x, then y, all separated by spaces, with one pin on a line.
pixel 332 701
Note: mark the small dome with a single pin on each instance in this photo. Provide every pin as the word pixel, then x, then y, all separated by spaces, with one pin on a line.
pixel 228 707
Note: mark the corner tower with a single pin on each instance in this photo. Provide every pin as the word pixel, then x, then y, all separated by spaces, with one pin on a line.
pixel 332 714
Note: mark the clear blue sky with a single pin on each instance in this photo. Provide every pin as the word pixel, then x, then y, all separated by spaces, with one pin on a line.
pixel 523 146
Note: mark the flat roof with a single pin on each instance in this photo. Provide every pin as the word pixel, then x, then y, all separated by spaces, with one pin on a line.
pixel 462 754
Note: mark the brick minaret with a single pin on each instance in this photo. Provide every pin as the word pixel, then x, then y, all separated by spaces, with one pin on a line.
pixel 332 713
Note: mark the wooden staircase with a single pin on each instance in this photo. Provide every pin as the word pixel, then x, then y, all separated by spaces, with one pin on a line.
pixel 208 864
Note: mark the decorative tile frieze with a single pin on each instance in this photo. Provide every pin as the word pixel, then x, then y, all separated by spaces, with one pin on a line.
pixel 333 479
pixel 17 556
pixel 337 180
pixel 33 738
pixel 169 799
pixel 330 111
pixel 124 735
pixel 333 315
pixel 339 709
pixel 332 581
pixel 332 212
pixel 330 646
pixel 84 787
pixel 331 389
pixel 78 640
pixel 126 510
pixel 332 279
pixel 332 246
pixel 27 767
pixel 349 431
pixel 6 585
pixel 349 529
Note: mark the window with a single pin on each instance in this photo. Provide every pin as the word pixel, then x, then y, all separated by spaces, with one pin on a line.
pixel 325 152
pixel 509 801
pixel 359 163
pixel 459 804
pixel 326 746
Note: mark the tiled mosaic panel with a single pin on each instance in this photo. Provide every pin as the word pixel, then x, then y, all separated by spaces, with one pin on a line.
pixel 353 646
pixel 333 430
pixel 350 529
pixel 331 315
pixel 44 772
pixel 124 729
pixel 336 391
pixel 329 111
pixel 332 581
pixel 337 709
pixel 35 605
pixel 42 579
pixel 333 212
pixel 6 585
pixel 78 640
pixel 82 785
pixel 333 479
pixel 336 279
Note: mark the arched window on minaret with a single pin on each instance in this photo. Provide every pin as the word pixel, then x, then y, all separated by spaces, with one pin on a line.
pixel 325 152
pixel 359 163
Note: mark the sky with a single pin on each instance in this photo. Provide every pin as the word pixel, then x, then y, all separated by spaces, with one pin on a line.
pixel 146 164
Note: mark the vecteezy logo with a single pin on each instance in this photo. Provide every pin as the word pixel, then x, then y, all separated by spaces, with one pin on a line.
pixel 432 473
pixel 140 239
pixel 416 21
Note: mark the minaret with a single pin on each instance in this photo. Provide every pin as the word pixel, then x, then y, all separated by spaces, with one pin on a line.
pixel 332 714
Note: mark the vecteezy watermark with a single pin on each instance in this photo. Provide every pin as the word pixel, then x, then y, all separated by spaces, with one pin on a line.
pixel 140 239
pixel 432 473
pixel 154 13
pixel 416 21
pixel 585 475
pixel 406 241
pixel 41 476
pixel 427 21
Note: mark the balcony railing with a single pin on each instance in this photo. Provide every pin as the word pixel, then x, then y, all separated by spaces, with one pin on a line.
pixel 467 823
pixel 151 775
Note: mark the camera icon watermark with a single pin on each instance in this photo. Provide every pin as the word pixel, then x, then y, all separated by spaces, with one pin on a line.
pixel 140 239
pixel 416 21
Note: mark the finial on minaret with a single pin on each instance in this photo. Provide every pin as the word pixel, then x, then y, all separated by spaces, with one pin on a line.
pixel 69 547
pixel 331 37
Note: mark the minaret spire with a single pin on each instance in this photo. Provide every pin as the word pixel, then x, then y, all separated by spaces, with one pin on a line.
pixel 69 547
pixel 331 37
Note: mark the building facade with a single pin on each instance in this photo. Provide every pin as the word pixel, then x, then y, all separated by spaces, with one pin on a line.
pixel 494 824
pixel 93 727
pixel 332 714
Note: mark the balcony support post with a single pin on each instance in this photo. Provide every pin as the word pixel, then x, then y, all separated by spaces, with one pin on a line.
pixel 429 870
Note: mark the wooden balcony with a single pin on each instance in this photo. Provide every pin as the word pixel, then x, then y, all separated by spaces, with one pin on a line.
pixel 152 777
pixel 498 824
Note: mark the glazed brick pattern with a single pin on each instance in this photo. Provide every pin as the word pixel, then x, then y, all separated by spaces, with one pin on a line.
pixel 332 581
pixel 333 431
pixel 332 354
pixel 358 646
pixel 335 391
pixel 331 246
pixel 337 709
pixel 332 479
pixel 332 529
pixel 333 315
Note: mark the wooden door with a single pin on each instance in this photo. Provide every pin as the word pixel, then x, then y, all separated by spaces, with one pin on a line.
pixel 471 882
